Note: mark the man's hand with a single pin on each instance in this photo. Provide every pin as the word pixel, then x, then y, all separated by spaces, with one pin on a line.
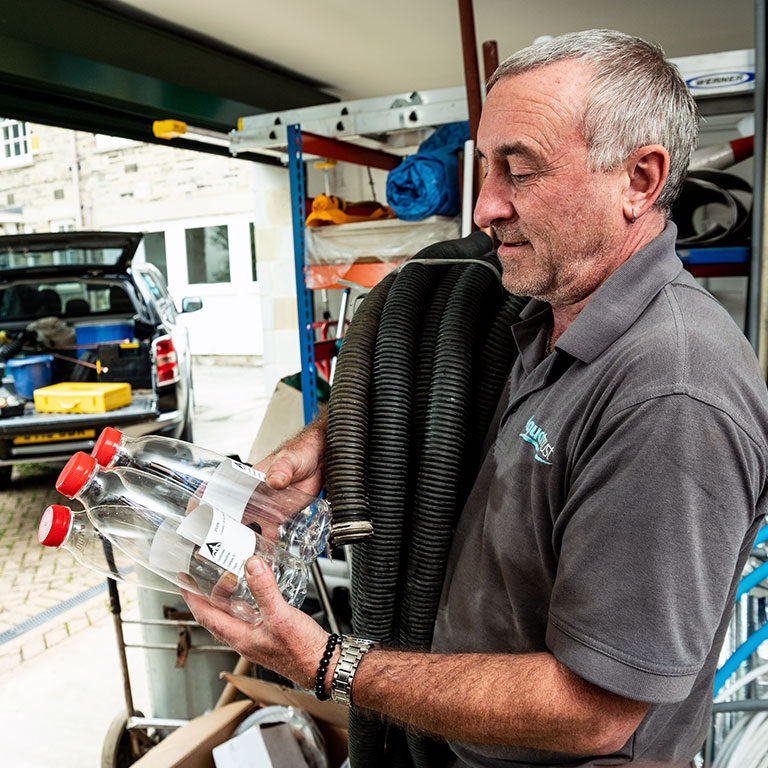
pixel 286 641
pixel 299 461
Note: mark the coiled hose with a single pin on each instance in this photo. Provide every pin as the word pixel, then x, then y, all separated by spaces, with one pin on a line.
pixel 418 379
pixel 12 348
pixel 709 211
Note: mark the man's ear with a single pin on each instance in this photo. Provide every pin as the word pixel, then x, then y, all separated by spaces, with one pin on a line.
pixel 647 169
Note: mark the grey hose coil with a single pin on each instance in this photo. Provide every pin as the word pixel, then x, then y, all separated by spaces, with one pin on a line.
pixel 709 214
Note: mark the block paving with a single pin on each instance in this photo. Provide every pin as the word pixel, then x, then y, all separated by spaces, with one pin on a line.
pixel 34 578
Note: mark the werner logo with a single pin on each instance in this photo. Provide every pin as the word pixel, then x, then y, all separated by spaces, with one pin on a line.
pixel 720 80
pixel 537 437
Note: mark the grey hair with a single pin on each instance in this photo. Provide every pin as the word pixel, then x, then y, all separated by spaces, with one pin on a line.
pixel 637 98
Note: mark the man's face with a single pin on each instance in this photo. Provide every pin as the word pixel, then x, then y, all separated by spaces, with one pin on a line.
pixel 558 224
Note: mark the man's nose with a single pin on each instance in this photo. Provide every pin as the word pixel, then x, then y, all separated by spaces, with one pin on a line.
pixel 492 204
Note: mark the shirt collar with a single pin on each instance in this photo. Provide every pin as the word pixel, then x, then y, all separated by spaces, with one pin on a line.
pixel 615 306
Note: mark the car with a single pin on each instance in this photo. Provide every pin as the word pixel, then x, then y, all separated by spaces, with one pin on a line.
pixel 66 294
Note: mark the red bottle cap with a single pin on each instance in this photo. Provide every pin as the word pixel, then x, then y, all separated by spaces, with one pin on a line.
pixel 75 474
pixel 105 447
pixel 54 525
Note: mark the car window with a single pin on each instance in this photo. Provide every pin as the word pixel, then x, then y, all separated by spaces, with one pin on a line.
pixel 153 285
pixel 63 298
pixel 154 281
pixel 23 256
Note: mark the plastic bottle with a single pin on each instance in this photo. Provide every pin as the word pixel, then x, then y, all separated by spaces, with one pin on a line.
pixel 64 528
pixel 298 522
pixel 179 536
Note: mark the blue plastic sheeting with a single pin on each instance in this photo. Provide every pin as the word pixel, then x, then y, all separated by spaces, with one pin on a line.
pixel 427 183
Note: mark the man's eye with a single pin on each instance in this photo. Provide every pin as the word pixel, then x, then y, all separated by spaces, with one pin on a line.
pixel 519 178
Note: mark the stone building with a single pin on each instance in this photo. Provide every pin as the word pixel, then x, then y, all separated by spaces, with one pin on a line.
pixel 217 227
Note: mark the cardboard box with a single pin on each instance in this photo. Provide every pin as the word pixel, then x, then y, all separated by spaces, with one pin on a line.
pixel 272 744
pixel 191 745
pixel 283 419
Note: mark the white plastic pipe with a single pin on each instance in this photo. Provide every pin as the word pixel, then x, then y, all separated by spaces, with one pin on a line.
pixel 723 155
pixel 469 173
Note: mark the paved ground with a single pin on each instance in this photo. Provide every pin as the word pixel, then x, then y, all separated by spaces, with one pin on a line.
pixel 34 579
pixel 59 672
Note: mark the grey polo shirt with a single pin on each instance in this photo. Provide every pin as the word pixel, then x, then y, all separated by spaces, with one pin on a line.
pixel 617 504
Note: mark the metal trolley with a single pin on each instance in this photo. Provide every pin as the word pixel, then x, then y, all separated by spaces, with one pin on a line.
pixel 131 734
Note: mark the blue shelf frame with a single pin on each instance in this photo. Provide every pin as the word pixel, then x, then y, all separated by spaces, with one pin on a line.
pixel 303 294
pixel 695 256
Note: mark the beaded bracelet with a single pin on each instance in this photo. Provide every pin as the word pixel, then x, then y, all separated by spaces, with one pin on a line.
pixel 323 668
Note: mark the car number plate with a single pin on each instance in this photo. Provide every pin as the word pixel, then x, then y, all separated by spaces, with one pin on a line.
pixel 80 434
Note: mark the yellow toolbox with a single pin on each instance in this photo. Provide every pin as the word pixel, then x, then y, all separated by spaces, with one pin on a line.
pixel 81 397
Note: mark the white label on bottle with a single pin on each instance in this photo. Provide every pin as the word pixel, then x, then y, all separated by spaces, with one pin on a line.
pixel 228 543
pixel 252 471
pixel 170 552
pixel 231 486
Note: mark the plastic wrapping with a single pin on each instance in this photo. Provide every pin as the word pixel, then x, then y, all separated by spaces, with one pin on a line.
pixel 302 726
pixel 427 183
pixel 390 242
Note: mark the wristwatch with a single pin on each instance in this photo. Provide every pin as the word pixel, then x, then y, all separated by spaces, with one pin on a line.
pixel 352 650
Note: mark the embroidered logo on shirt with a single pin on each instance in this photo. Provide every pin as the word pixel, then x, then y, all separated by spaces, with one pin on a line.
pixel 537 437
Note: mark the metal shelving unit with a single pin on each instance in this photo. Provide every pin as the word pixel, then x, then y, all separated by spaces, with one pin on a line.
pixel 358 132
pixel 368 274
pixel 716 262
pixel 303 296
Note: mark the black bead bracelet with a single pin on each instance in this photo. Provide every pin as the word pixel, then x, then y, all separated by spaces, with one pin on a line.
pixel 323 668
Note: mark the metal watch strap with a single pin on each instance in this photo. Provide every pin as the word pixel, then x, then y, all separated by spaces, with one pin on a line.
pixel 352 650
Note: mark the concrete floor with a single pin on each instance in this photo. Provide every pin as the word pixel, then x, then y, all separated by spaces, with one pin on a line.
pixel 60 682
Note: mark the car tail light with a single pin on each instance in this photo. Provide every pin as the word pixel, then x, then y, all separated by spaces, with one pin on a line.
pixel 166 361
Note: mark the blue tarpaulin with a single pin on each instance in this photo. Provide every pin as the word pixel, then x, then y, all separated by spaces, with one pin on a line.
pixel 427 183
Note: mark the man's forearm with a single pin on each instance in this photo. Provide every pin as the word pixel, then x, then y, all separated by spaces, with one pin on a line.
pixel 528 700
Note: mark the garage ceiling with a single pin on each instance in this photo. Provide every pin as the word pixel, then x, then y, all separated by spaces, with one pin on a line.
pixel 114 67
pixel 378 48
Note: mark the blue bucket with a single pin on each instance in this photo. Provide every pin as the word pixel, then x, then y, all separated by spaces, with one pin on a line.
pixel 30 373
pixel 96 333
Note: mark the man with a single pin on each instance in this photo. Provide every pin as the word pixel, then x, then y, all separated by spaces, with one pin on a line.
pixel 595 563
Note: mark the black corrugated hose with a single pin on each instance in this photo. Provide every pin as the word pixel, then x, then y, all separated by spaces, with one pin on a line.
pixel 417 382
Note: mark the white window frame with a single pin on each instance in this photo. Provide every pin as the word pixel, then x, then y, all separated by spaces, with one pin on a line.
pixel 15 150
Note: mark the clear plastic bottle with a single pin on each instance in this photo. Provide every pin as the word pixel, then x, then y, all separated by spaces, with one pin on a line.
pixel 179 536
pixel 65 528
pixel 298 522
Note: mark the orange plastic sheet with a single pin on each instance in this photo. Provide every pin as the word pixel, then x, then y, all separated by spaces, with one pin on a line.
pixel 365 275
pixel 363 253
